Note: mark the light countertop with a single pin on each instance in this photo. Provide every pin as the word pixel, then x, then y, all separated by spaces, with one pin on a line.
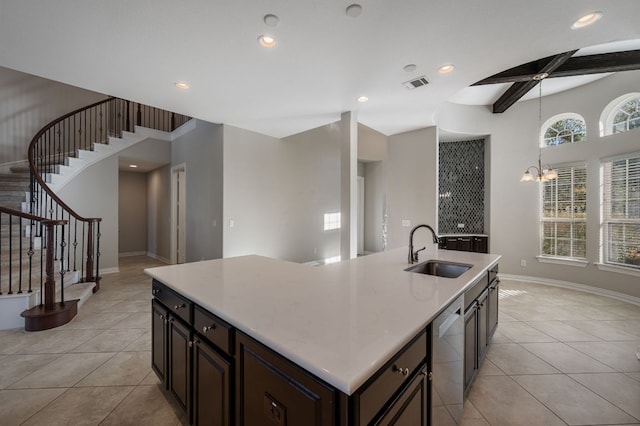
pixel 342 321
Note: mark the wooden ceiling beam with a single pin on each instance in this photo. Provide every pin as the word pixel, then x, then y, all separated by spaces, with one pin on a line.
pixel 579 65
pixel 521 88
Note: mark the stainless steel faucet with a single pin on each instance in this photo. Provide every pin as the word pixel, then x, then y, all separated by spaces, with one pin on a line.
pixel 413 255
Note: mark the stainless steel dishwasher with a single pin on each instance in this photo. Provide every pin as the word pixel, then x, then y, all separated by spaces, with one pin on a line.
pixel 448 364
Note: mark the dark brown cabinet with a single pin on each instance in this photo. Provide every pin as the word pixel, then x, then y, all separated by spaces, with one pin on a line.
pixel 410 407
pixel 480 244
pixel 211 387
pixel 483 333
pixel 474 243
pixel 197 375
pixel 273 391
pixel 492 300
pixel 481 320
pixel 179 369
pixel 159 339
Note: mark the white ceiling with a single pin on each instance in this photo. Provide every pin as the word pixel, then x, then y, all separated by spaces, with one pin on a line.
pixel 323 61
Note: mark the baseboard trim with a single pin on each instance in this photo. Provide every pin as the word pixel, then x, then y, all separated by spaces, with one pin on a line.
pixel 106 271
pixel 133 253
pixel 160 258
pixel 575 286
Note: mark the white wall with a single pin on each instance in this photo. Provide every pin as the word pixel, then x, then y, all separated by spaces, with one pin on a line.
pixel 28 104
pixel 372 157
pixel 201 151
pixel 515 205
pixel 94 193
pixel 159 213
pixel 277 191
pixel 132 212
pixel 412 185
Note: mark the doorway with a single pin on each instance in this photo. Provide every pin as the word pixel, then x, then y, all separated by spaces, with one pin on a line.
pixel 178 213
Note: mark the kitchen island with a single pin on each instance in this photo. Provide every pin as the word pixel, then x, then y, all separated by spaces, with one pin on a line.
pixel 340 324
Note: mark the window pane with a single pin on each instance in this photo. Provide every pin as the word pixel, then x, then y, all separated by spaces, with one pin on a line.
pixel 568 130
pixel 627 116
pixel 566 199
pixel 622 211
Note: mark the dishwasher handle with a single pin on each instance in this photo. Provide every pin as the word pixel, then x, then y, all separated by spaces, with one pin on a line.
pixel 446 324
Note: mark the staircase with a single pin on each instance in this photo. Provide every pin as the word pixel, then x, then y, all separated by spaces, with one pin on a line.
pixel 49 254
pixel 22 257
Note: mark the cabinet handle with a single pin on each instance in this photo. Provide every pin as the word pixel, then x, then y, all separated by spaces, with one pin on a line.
pixel 178 307
pixel 193 342
pixel 208 327
pixel 400 370
pixel 155 291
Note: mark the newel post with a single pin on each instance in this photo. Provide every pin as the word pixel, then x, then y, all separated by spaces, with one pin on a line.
pixel 50 282
pixel 89 267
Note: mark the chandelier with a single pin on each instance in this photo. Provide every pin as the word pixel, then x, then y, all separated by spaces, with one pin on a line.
pixel 539 173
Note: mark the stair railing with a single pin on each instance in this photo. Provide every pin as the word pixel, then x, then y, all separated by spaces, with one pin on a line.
pixel 25 265
pixel 63 138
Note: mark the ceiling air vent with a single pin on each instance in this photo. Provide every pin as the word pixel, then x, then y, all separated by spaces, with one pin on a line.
pixel 415 83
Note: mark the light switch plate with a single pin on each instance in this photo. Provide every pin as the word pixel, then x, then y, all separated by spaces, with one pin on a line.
pixel 406 223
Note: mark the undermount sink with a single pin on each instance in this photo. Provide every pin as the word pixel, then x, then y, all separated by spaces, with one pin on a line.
pixel 440 268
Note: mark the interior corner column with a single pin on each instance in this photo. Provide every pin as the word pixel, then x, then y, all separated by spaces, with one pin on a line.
pixel 349 186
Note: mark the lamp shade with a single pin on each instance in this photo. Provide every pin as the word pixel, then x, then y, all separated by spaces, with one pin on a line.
pixel 526 177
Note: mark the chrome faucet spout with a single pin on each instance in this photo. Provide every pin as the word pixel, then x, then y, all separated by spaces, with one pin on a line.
pixel 413 255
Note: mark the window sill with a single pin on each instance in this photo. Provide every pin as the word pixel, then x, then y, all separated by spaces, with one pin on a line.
pixel 618 269
pixel 562 261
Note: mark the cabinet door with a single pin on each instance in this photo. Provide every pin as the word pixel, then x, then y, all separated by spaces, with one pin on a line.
pixel 272 391
pixel 211 387
pixel 159 340
pixel 492 301
pixel 179 363
pixel 464 244
pixel 411 407
pixel 480 244
pixel 470 344
pixel 451 243
pixel 483 323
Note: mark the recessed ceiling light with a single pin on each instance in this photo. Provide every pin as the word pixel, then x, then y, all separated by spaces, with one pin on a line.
pixel 362 99
pixel 446 69
pixel 586 20
pixel 271 20
pixel 267 41
pixel 409 68
pixel 181 85
pixel 133 166
pixel 353 10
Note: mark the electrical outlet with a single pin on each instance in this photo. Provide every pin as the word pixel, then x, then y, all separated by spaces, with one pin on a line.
pixel 232 223
pixel 460 225
pixel 523 262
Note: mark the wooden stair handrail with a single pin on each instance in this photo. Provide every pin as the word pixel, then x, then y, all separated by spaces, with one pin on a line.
pixel 29 216
pixel 36 173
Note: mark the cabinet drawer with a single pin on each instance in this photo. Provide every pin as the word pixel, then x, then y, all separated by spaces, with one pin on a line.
pixel 177 304
pixel 493 274
pixel 474 291
pixel 212 329
pixel 390 378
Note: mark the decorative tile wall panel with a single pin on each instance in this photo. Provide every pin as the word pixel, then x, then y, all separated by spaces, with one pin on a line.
pixel 461 186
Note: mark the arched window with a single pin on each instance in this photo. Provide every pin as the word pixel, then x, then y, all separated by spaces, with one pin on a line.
pixel 621 115
pixel 564 128
pixel 626 116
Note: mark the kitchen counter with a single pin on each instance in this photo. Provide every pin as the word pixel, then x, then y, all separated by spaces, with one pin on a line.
pixel 342 321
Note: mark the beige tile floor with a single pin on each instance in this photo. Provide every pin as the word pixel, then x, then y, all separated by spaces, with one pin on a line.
pixel 558 357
